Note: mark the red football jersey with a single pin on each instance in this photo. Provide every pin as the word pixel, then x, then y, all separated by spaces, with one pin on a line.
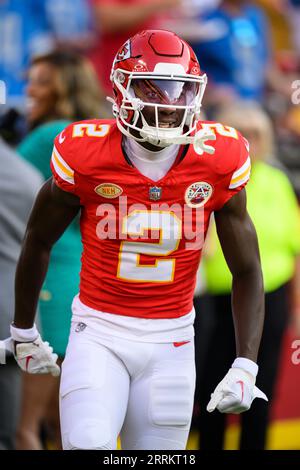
pixel 142 239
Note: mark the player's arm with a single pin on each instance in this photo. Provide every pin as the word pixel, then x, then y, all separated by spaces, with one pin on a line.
pixel 52 212
pixel 238 239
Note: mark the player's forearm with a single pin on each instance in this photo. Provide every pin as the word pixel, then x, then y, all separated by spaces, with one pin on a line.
pixel 30 275
pixel 248 311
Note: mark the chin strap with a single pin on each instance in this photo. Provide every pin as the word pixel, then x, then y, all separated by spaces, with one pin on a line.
pixel 198 141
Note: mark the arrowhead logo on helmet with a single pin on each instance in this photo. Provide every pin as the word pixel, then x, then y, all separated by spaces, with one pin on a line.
pixel 124 52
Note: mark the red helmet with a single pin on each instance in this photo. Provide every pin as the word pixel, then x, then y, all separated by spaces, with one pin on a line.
pixel 155 68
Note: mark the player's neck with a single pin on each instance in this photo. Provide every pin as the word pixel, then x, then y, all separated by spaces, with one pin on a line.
pixel 139 152
pixel 153 165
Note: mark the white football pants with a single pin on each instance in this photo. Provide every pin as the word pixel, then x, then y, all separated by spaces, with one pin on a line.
pixel 112 386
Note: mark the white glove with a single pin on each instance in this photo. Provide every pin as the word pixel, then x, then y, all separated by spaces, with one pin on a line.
pixel 236 392
pixel 32 355
pixel 199 142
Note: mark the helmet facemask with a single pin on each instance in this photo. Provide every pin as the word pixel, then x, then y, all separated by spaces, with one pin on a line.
pixel 142 91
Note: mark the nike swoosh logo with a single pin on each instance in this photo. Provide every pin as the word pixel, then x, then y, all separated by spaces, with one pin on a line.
pixel 177 345
pixel 242 386
pixel 61 138
pixel 27 361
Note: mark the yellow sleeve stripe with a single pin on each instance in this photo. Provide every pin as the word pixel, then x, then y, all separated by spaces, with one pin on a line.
pixel 238 178
pixel 236 182
pixel 62 164
pixel 242 169
pixel 63 170
pixel 241 175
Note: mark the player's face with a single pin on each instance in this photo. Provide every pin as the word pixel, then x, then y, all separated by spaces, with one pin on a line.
pixel 163 92
pixel 41 91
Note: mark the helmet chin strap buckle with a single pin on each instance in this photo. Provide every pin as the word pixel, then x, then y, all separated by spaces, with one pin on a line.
pixel 199 140
pixel 157 141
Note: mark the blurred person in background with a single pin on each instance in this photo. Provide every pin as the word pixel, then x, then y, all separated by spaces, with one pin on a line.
pixel 71 23
pixel 286 118
pixel 30 28
pixel 294 15
pixel 62 87
pixel 277 12
pixel 284 16
pixel 19 183
pixel 24 32
pixel 116 20
pixel 186 18
pixel 240 28
pixel 273 207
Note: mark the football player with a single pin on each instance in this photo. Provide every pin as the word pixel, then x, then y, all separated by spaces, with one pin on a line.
pixel 146 184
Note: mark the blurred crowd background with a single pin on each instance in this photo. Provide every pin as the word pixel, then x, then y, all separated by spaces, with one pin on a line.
pixel 55 61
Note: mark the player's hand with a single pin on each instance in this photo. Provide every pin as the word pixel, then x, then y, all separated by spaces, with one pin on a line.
pixel 37 357
pixel 34 356
pixel 200 144
pixel 235 393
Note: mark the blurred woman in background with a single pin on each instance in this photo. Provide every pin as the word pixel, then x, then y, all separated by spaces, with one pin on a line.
pixel 273 208
pixel 62 87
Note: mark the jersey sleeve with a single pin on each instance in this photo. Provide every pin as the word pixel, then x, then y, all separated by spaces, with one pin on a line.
pixel 239 175
pixel 61 161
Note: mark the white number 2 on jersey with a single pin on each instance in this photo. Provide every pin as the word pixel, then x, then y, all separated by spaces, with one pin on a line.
pixel 217 127
pixel 91 130
pixel 135 224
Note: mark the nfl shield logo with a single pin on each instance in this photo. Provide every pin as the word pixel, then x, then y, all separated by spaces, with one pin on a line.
pixel 155 193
